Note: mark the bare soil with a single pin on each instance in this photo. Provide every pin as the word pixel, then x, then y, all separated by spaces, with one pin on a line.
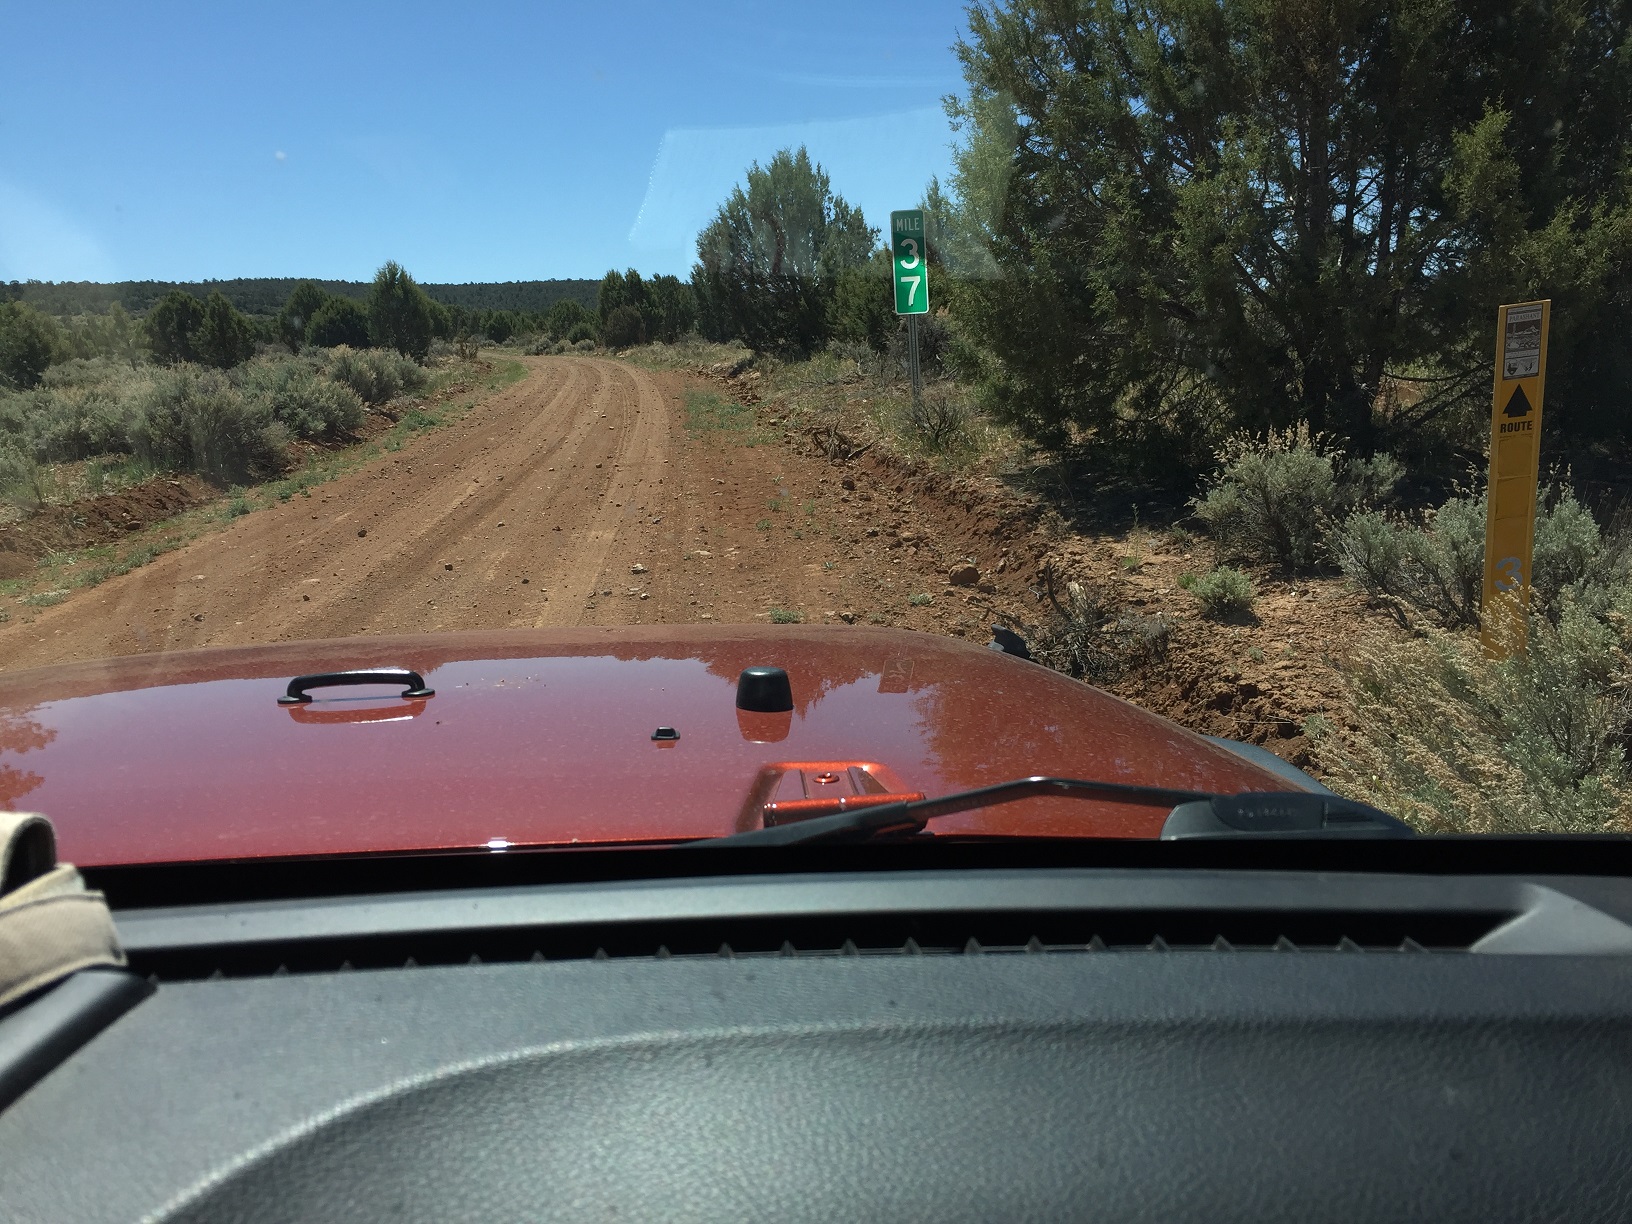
pixel 577 496
pixel 97 520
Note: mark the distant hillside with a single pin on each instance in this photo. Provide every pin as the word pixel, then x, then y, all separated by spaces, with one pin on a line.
pixel 516 295
pixel 266 295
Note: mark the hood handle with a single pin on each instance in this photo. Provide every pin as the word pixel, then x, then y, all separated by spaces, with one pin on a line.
pixel 299 687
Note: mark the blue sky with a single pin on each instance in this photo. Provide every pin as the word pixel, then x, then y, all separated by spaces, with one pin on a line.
pixel 471 142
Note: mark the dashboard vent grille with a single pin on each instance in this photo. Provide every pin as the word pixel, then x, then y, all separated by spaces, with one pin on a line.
pixel 1030 933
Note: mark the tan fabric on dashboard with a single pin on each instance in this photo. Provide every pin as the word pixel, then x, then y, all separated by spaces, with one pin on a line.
pixel 50 924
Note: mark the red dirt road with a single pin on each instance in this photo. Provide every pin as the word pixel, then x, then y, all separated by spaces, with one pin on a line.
pixel 533 510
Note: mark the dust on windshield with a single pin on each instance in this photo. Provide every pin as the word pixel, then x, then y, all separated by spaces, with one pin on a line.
pixel 1179 340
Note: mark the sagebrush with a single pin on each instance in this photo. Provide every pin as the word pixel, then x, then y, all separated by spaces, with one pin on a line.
pixel 1224 593
pixel 1273 499
pixel 1434 563
pixel 1456 742
pixel 376 375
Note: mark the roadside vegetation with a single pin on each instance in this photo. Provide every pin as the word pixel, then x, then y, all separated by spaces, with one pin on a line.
pixel 111 406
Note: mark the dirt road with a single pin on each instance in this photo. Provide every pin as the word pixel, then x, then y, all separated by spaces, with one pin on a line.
pixel 573 497
pixel 582 495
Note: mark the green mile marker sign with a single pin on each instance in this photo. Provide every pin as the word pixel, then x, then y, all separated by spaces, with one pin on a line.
pixel 911 272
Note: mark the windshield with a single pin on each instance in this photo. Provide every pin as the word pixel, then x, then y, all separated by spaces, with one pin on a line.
pixel 1170 350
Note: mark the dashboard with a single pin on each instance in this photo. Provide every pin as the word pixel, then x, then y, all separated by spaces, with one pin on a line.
pixel 887 1037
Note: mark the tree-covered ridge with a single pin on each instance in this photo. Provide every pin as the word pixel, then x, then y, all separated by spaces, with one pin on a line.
pixel 526 297
pixel 265 296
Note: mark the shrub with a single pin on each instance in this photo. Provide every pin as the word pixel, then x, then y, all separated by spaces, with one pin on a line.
pixel 935 343
pixel 1437 566
pixel 195 420
pixel 28 342
pixel 585 345
pixel 623 327
pixel 338 321
pixel 1274 499
pixel 1073 640
pixel 940 417
pixel 375 374
pixel 21 478
pixel 1367 482
pixel 1224 593
pixel 1456 742
pixel 785 616
pixel 302 400
pixel 77 422
pixel 1573 560
pixel 1270 498
pixel 1459 742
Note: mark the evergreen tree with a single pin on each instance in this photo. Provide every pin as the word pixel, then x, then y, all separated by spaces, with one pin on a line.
pixel 29 341
pixel 294 320
pixel 170 326
pixel 673 309
pixel 768 262
pixel 500 325
pixel 400 316
pixel 863 308
pixel 1219 213
pixel 623 328
pixel 224 337
pixel 114 334
pixel 618 290
pixel 444 319
pixel 338 321
pixel 566 316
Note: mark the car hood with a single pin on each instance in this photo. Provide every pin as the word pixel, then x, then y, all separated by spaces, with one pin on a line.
pixel 544 737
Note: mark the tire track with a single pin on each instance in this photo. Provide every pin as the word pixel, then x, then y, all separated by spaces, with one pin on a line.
pixel 637 474
pixel 420 527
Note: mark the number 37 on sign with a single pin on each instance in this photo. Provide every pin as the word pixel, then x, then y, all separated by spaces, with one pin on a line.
pixel 911 271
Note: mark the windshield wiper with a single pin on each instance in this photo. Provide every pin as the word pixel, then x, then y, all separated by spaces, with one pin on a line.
pixel 1194 814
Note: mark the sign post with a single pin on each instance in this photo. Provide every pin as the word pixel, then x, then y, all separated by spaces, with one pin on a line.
pixel 911 284
pixel 1515 442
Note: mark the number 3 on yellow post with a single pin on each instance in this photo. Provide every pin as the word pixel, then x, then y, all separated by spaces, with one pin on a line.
pixel 1515 443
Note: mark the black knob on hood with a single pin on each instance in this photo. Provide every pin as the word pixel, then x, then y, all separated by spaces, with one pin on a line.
pixel 764 690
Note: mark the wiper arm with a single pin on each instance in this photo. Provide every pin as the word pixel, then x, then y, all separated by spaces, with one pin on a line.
pixel 1194 814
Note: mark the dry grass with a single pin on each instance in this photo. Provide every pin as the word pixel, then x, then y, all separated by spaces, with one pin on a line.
pixel 838 394
pixel 686 353
pixel 857 399
pixel 1455 742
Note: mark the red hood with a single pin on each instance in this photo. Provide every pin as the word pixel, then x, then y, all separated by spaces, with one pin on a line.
pixel 544 737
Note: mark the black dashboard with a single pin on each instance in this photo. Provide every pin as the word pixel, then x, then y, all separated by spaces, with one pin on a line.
pixel 1036 1034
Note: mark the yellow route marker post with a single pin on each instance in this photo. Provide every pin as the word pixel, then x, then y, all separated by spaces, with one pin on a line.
pixel 1515 444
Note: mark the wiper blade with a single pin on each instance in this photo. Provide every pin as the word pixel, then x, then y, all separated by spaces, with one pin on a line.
pixel 1194 814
